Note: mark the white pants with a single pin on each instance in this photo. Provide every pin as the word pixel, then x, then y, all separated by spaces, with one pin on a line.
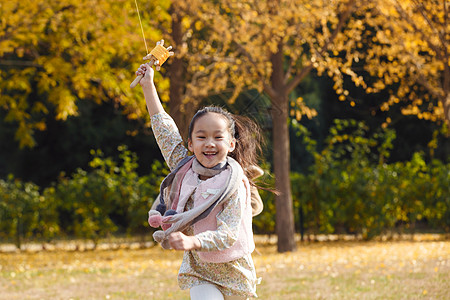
pixel 209 291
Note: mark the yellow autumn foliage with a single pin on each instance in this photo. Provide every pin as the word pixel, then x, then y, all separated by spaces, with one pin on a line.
pixel 55 53
pixel 414 37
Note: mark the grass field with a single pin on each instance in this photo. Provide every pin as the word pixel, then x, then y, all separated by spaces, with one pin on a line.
pixel 323 270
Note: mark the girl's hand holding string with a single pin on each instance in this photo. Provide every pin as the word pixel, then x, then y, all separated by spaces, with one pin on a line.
pixel 147 71
pixel 180 241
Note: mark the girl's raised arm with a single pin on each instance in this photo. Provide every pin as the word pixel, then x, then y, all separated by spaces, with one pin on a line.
pixel 164 128
pixel 154 105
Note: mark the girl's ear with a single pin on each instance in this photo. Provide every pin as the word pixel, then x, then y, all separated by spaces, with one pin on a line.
pixel 190 146
pixel 232 145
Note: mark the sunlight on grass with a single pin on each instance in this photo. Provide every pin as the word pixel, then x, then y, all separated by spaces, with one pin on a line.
pixel 325 270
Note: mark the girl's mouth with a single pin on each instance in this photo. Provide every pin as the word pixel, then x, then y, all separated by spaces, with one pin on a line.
pixel 209 154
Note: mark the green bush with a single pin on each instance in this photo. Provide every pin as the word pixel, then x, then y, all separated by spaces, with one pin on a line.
pixel 109 198
pixel 264 223
pixel 147 189
pixel 350 188
pixel 24 212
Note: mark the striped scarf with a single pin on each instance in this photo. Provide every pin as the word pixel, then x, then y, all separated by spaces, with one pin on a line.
pixel 170 189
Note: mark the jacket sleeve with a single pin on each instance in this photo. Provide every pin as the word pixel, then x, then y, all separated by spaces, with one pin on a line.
pixel 228 225
pixel 169 139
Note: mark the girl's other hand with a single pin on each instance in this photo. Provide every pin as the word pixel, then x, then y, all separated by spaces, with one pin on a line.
pixel 180 241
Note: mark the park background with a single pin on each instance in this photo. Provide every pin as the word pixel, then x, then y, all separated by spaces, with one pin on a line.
pixel 352 97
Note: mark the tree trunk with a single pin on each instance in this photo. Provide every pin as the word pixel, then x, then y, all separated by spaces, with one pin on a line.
pixel 446 80
pixel 19 231
pixel 181 112
pixel 284 217
pixel 176 73
pixel 281 163
pixel 446 96
pixel 447 111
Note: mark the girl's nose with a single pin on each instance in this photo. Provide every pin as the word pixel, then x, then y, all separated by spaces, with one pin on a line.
pixel 209 143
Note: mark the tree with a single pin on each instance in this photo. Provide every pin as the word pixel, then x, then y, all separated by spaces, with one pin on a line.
pixel 181 106
pixel 193 71
pixel 271 46
pixel 53 54
pixel 181 23
pixel 410 55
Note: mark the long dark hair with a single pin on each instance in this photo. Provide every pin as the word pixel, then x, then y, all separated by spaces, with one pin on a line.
pixel 246 132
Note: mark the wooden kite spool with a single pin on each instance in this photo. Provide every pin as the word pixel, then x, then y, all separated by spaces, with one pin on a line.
pixel 157 57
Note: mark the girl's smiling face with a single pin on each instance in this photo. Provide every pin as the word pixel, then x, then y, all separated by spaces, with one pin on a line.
pixel 211 140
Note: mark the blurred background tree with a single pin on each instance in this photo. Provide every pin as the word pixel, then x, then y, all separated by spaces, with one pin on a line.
pixel 408 51
pixel 64 83
pixel 55 54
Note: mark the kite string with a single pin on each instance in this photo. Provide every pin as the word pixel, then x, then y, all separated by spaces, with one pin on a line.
pixel 140 22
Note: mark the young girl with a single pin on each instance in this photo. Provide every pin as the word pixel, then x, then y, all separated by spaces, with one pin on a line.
pixel 205 203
